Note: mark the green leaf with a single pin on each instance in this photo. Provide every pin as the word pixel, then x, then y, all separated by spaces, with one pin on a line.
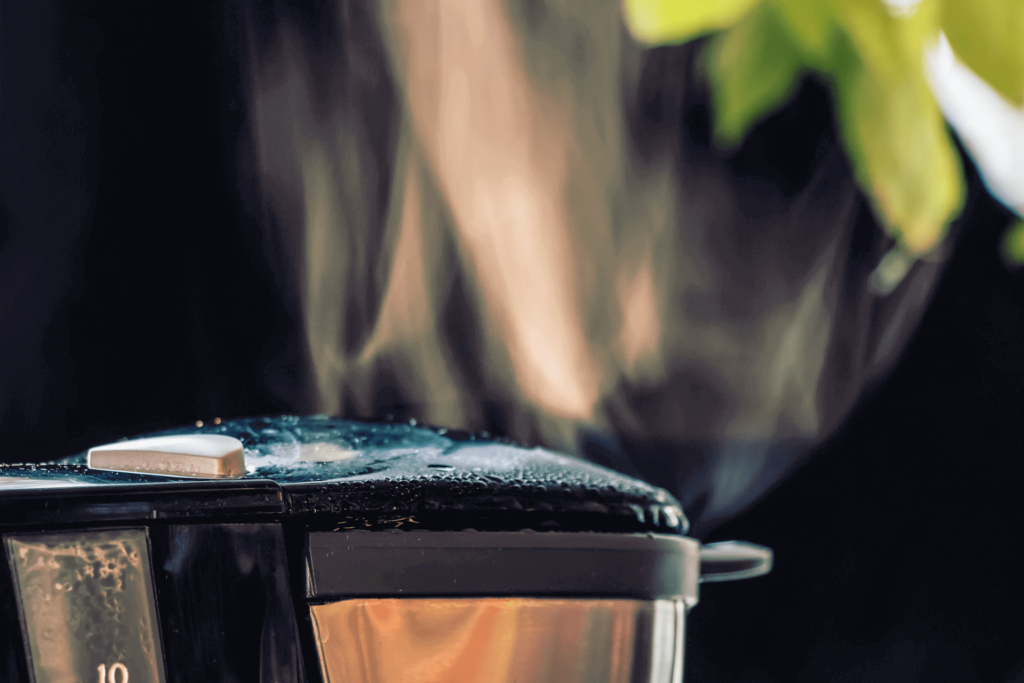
pixel 901 152
pixel 988 35
pixel 812 28
pixel 660 22
pixel 890 46
pixel 753 69
pixel 872 56
pixel 1013 244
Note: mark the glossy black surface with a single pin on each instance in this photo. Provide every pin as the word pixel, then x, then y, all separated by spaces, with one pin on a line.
pixel 513 564
pixel 82 496
pixel 336 473
pixel 390 474
pixel 226 605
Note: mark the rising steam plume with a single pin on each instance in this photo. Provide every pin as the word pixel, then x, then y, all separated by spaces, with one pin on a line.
pixel 499 213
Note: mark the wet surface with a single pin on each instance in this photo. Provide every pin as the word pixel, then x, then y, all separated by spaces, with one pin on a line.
pixel 338 473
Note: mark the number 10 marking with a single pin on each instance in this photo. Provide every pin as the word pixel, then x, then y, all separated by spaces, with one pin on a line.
pixel 112 677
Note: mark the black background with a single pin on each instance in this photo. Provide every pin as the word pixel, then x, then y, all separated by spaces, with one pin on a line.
pixel 897 544
pixel 136 292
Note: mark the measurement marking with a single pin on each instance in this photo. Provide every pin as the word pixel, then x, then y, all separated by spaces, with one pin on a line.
pixel 111 676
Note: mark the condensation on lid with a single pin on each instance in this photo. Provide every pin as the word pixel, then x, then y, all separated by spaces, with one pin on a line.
pixel 325 452
pixel 205 456
pixel 9 483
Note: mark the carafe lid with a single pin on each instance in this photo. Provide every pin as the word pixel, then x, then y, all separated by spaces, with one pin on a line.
pixel 336 474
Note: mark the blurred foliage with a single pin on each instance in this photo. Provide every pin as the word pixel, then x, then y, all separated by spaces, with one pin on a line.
pixel 872 56
pixel 1013 244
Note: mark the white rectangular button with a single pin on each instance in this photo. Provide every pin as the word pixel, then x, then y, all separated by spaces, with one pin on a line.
pixel 205 456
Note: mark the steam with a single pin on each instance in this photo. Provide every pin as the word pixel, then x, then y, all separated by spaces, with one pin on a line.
pixel 604 288
pixel 500 149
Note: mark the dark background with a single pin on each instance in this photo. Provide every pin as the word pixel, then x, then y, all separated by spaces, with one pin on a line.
pixel 137 292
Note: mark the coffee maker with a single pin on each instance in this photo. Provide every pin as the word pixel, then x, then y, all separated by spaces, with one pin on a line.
pixel 319 549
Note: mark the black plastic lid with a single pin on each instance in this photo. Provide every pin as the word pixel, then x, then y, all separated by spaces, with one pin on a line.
pixel 502 563
pixel 332 474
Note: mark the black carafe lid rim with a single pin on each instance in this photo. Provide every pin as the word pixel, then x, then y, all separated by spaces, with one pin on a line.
pixel 333 473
